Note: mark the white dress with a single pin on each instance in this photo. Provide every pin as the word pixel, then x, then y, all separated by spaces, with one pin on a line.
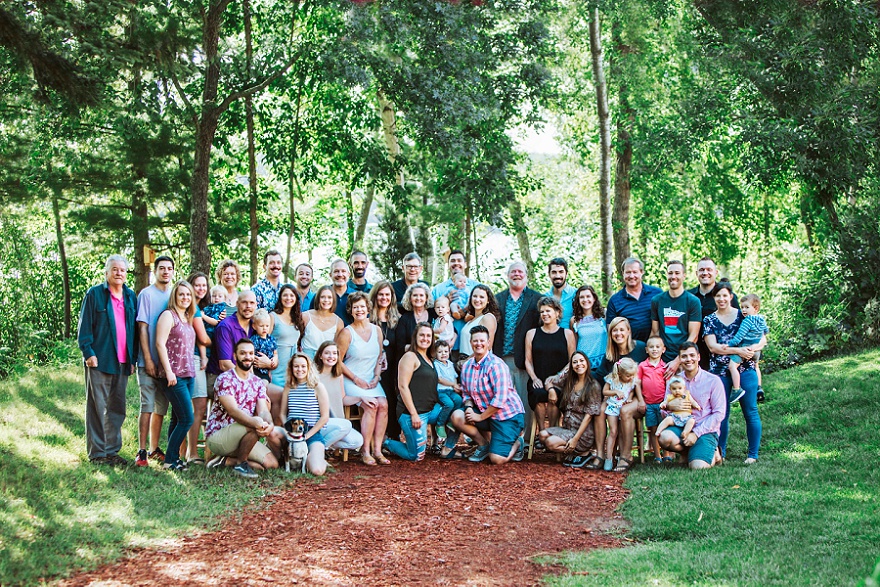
pixel 464 346
pixel 314 336
pixel 361 359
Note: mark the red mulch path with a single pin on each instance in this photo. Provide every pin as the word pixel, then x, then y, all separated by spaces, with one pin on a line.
pixel 435 522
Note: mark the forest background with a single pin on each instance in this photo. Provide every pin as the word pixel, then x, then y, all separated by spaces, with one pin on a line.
pixel 216 129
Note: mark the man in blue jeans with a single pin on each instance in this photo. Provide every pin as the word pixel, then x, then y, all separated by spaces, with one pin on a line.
pixel 700 447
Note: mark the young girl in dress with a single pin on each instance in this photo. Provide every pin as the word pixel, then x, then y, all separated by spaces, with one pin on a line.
pixel 620 387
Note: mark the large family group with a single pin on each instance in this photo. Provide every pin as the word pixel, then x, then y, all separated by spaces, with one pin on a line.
pixel 458 358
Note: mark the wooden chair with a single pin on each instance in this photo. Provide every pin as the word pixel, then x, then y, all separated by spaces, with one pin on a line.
pixel 640 438
pixel 532 433
pixel 356 417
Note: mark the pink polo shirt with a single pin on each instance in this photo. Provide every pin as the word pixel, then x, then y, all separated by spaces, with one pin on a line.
pixel 119 319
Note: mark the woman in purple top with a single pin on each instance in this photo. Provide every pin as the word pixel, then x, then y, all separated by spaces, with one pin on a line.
pixel 175 338
pixel 718 328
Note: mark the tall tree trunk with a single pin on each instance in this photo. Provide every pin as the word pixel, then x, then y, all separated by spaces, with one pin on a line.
pixel 622 191
pixel 598 59
pixel 349 219
pixel 141 233
pixel 522 238
pixel 468 220
pixel 253 243
pixel 206 128
pixel 62 254
pixel 361 229
pixel 389 131
pixel 291 228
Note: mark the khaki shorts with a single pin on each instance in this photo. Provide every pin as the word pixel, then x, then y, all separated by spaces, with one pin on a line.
pixel 225 442
pixel 153 398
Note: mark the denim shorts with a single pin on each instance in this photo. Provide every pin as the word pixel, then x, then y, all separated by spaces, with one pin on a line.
pixel 316 437
pixel 653 417
pixel 504 433
pixel 703 449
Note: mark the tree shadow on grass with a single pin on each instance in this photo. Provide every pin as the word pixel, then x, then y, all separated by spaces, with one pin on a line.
pixel 57 520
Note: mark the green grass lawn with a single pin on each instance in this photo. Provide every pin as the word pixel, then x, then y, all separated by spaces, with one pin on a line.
pixel 808 513
pixel 59 514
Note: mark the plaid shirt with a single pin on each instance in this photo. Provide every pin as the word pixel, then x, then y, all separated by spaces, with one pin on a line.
pixel 488 383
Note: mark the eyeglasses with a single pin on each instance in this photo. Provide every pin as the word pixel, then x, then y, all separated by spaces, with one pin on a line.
pixel 413 266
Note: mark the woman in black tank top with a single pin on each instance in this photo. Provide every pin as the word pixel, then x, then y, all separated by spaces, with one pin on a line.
pixel 548 349
pixel 417 404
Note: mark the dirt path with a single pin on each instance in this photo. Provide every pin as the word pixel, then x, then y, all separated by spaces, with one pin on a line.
pixel 436 523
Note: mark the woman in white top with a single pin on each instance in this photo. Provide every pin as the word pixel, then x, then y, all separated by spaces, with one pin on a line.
pixel 321 324
pixel 338 432
pixel 361 346
pixel 481 309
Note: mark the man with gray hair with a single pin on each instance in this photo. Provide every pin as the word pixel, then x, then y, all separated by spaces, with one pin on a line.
pixel 518 305
pixel 107 337
pixel 412 273
pixel 633 302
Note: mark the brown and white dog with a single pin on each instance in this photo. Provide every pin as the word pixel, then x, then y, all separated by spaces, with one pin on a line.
pixel 295 450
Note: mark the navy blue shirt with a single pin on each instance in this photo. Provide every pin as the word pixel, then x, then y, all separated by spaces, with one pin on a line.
pixel 341 302
pixel 637 311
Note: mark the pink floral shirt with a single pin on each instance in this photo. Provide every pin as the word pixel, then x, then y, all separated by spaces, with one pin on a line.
pixel 246 392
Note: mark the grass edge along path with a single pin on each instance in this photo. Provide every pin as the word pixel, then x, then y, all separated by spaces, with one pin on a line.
pixel 59 514
pixel 808 513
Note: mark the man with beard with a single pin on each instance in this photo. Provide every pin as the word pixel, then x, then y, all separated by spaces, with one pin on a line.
pixel 707 276
pixel 152 301
pixel 456 263
pixel 358 264
pixel 304 273
pixel 558 272
pixel 519 313
pixel 228 331
pixel 700 446
pixel 267 288
pixel 240 417
pixel 675 316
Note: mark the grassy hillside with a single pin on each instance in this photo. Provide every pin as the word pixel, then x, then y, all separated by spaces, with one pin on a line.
pixel 808 513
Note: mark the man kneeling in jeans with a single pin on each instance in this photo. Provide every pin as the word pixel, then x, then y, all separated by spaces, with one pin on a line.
pixel 491 405
pixel 700 446
pixel 240 417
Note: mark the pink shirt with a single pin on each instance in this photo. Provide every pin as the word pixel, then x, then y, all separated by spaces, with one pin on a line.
pixel 119 319
pixel 653 383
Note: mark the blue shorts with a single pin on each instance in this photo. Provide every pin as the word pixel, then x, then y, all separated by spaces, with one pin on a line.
pixel 504 433
pixel 316 437
pixel 653 417
pixel 703 449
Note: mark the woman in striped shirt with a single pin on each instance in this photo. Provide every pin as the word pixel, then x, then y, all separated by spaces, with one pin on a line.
pixel 305 397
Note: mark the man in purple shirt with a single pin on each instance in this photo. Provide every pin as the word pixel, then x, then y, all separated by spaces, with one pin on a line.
pixel 490 404
pixel 229 331
pixel 701 445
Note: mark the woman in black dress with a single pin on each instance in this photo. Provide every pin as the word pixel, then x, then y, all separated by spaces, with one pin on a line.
pixel 548 349
pixel 385 316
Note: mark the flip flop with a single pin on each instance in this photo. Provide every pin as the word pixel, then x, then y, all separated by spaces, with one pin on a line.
pixel 452 455
pixel 196 461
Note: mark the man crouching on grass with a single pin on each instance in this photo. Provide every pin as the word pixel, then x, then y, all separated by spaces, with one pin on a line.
pixel 700 446
pixel 240 417
pixel 491 404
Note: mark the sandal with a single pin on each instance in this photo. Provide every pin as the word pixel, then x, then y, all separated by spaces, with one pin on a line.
pixel 380 458
pixel 196 461
pixel 368 460
pixel 623 465
pixel 595 464
pixel 217 463
pixel 452 455
pixel 658 461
